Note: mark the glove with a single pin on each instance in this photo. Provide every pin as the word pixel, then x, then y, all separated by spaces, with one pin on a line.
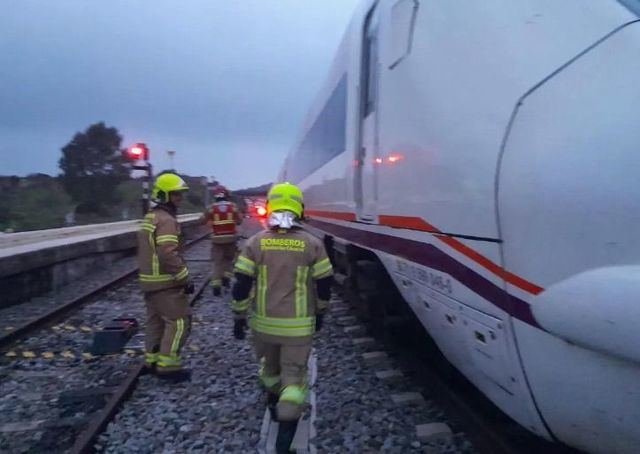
pixel 189 288
pixel 239 326
pixel 319 318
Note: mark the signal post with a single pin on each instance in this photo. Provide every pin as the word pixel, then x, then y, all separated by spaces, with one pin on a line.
pixel 140 152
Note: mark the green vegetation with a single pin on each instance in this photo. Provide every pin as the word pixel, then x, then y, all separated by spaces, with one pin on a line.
pixel 40 202
pixel 35 202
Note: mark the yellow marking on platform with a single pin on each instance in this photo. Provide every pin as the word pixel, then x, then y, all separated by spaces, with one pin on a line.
pixel 67 354
pixel 86 329
pixel 11 354
pixel 194 348
pixel 9 328
pixel 28 354
pixel 69 327
pixel 87 355
pixel 48 355
pixel 128 351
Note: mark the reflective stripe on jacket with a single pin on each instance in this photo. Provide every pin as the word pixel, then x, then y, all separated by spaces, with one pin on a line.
pixel 160 252
pixel 285 266
pixel 223 218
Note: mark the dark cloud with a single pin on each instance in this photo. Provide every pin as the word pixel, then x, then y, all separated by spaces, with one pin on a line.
pixel 225 83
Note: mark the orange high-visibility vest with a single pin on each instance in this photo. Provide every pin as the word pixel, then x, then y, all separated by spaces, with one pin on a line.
pixel 224 218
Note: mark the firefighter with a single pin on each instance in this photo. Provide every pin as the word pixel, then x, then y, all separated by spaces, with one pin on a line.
pixel 164 279
pixel 223 217
pixel 292 276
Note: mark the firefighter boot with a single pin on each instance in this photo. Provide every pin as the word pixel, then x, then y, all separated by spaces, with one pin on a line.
pixel 286 432
pixel 150 357
pixel 226 282
pixel 217 291
pixel 175 376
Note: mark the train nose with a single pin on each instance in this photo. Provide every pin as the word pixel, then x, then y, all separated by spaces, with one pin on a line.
pixel 597 310
pixel 569 204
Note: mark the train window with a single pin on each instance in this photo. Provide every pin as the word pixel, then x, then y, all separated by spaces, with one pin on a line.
pixel 370 66
pixel 326 139
pixel 403 16
pixel 372 77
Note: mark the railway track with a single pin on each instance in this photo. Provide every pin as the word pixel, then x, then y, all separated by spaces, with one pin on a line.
pixel 55 393
pixel 13 334
pixel 222 409
pixel 85 441
pixel 489 430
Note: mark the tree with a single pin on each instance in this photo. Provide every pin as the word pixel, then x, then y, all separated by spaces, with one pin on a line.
pixel 92 166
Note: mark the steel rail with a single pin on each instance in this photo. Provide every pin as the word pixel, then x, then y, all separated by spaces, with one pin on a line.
pixel 456 396
pixel 488 428
pixel 85 442
pixel 38 321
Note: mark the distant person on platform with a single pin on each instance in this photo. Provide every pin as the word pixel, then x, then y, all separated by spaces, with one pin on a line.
pixel 164 279
pixel 223 218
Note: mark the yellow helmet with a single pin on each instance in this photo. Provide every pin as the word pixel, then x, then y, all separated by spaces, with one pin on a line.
pixel 285 196
pixel 166 183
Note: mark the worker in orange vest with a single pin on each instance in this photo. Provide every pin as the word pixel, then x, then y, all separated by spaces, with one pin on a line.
pixel 223 218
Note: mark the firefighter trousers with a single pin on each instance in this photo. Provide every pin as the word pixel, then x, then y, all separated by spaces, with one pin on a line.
pixel 168 326
pixel 283 371
pixel 223 257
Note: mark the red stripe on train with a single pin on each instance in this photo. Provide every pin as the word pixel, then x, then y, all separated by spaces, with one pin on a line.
pixel 419 224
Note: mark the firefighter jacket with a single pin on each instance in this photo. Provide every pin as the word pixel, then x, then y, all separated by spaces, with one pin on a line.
pixel 223 218
pixel 160 251
pixel 285 265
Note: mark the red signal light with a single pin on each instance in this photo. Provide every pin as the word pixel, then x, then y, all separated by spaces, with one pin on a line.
pixel 138 151
pixel 262 211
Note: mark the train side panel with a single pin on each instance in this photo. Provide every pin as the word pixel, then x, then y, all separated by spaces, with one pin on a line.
pixel 442 113
pixel 416 180
pixel 443 109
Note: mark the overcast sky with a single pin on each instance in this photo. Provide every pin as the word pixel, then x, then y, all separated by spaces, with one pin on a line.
pixel 225 83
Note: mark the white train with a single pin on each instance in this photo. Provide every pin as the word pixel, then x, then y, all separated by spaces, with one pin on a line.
pixel 487 153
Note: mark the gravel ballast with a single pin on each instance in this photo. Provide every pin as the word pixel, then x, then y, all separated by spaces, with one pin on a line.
pixel 356 413
pixel 221 409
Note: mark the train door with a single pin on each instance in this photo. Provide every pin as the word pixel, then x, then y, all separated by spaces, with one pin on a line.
pixel 367 150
